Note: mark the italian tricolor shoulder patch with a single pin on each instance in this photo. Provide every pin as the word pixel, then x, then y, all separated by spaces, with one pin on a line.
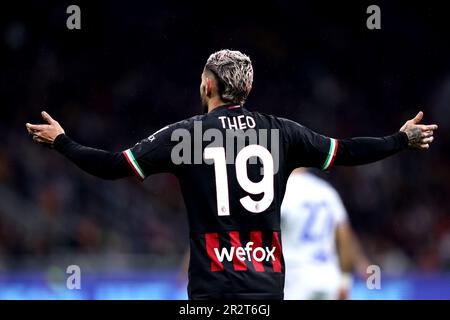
pixel 134 164
pixel 331 154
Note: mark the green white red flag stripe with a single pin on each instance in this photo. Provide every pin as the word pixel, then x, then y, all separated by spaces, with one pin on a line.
pixel 331 154
pixel 134 164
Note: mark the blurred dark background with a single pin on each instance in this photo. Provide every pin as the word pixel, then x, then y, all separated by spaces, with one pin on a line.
pixel 135 67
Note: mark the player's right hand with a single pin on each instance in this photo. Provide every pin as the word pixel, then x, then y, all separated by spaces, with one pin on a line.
pixel 420 136
pixel 45 133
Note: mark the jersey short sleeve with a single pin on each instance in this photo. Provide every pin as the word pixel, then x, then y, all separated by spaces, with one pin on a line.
pixel 152 154
pixel 307 148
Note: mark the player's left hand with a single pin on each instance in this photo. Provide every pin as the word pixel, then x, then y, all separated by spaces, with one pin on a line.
pixel 45 133
pixel 420 136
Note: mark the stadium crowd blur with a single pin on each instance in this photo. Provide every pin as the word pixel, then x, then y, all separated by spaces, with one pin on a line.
pixel 133 69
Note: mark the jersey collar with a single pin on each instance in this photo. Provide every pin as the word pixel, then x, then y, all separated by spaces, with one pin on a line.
pixel 228 106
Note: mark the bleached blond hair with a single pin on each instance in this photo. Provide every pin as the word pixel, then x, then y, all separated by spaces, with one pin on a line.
pixel 234 72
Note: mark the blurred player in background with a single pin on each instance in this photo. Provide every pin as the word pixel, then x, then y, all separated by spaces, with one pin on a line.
pixel 319 246
pixel 233 206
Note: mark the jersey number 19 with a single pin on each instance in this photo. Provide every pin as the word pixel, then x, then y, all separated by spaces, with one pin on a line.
pixel 217 154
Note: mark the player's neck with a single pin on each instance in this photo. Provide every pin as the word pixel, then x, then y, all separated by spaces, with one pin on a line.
pixel 215 103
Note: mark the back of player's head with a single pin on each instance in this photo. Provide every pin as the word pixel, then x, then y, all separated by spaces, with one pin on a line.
pixel 234 72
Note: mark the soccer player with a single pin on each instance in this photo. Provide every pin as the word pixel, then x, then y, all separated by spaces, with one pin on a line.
pixel 319 246
pixel 232 184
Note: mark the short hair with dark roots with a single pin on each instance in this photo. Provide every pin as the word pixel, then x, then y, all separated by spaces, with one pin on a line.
pixel 234 73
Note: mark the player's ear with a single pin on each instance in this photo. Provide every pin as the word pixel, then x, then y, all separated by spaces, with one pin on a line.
pixel 209 87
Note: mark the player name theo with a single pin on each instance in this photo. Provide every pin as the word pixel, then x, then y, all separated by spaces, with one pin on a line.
pixel 240 122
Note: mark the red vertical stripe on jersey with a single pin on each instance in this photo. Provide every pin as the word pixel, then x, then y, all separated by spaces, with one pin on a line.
pixel 256 238
pixel 238 265
pixel 276 243
pixel 212 242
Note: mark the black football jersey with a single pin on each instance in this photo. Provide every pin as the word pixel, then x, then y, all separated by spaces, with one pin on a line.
pixel 233 165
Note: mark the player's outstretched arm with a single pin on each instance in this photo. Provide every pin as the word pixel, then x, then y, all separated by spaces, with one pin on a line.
pixel 412 135
pixel 100 163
